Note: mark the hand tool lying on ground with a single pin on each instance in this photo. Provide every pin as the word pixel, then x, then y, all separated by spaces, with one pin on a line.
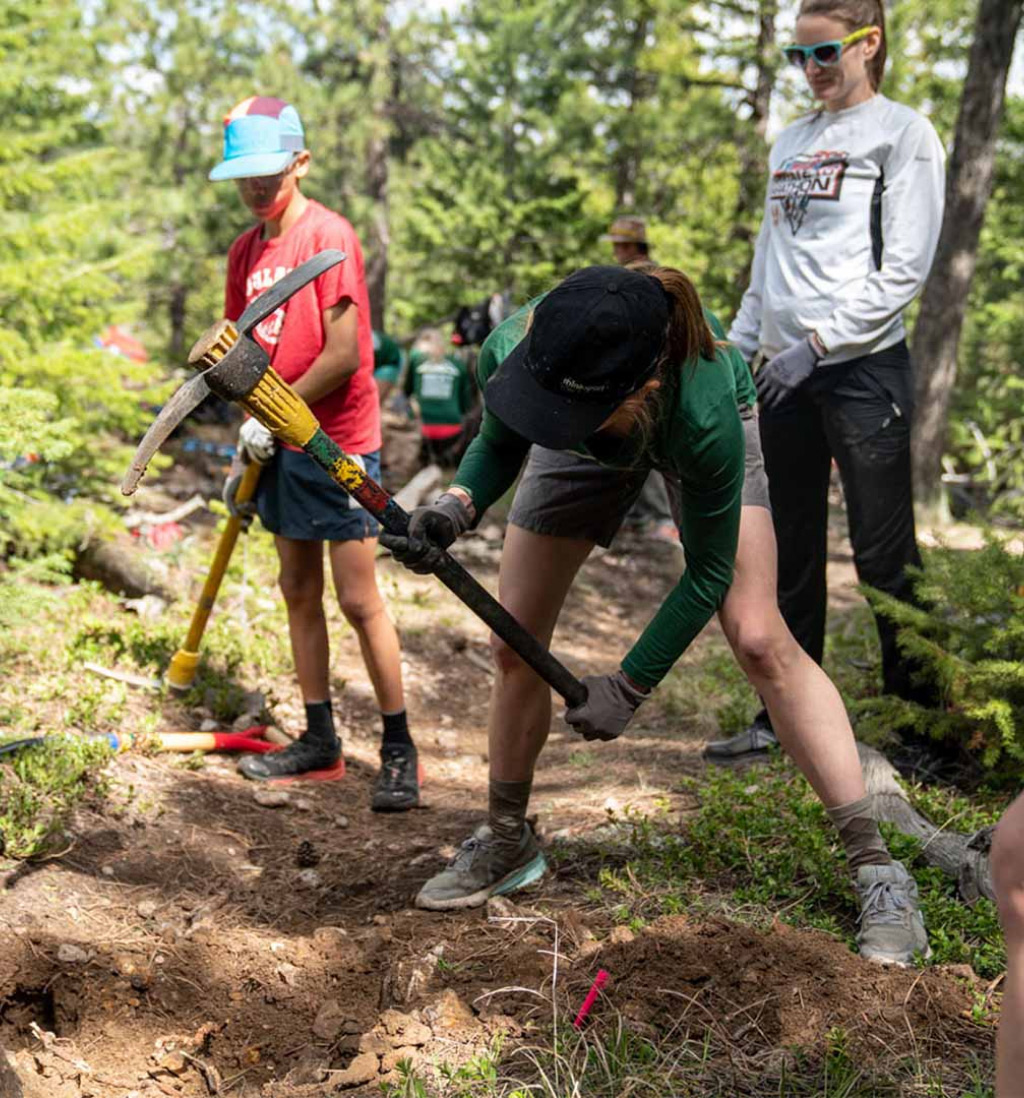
pixel 181 671
pixel 236 368
pixel 250 740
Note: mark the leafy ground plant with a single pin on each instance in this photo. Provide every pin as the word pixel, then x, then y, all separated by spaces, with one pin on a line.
pixel 41 786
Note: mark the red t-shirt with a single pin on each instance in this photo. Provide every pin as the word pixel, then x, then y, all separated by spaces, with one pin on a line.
pixel 294 335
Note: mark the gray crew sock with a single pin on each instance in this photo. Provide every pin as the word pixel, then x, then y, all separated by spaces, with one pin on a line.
pixel 858 831
pixel 507 809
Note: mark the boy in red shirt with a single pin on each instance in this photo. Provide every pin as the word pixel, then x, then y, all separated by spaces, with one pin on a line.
pixel 320 342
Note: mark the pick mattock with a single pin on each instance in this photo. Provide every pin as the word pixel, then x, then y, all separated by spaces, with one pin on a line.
pixel 236 368
pixel 181 671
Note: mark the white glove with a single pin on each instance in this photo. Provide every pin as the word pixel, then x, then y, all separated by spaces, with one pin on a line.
pixel 255 441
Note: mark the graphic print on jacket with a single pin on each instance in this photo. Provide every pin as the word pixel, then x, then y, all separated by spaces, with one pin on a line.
pixel 800 180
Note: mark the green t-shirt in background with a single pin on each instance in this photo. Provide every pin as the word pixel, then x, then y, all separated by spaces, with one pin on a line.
pixel 387 357
pixel 443 390
pixel 698 442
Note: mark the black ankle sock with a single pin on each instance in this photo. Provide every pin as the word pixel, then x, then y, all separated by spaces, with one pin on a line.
pixel 396 731
pixel 320 725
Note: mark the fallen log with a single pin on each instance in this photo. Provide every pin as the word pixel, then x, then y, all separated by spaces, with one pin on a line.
pixel 425 483
pixel 118 568
pixel 963 857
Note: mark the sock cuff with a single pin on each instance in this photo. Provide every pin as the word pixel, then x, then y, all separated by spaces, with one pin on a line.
pixel 843 813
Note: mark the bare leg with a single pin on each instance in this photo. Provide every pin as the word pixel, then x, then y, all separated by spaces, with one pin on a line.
pixel 355 582
pixel 301 579
pixel 1008 872
pixel 537 571
pixel 806 710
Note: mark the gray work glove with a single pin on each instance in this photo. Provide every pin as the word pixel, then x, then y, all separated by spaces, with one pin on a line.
pixel 785 373
pixel 244 511
pixel 431 530
pixel 255 441
pixel 611 702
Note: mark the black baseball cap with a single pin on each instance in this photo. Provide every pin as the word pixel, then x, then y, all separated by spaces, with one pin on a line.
pixel 595 338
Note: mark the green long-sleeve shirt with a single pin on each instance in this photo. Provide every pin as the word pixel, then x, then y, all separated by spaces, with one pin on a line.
pixel 698 441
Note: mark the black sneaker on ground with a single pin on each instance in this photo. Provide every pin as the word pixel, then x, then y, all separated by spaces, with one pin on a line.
pixel 297 758
pixel 397 788
pixel 749 746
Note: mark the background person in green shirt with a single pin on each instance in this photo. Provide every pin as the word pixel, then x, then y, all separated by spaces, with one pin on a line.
pixel 443 390
pixel 611 374
pixel 387 364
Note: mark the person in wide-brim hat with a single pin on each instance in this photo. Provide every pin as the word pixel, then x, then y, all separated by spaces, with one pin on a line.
pixel 613 373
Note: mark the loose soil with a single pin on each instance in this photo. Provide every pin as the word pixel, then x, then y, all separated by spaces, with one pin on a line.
pixel 191 941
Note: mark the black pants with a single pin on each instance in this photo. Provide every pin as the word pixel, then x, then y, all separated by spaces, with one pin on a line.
pixel 857 413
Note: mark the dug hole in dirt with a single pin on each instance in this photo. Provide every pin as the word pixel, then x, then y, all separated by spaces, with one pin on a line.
pixel 201 938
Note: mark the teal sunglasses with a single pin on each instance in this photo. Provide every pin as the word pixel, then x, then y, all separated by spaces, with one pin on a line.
pixel 825 54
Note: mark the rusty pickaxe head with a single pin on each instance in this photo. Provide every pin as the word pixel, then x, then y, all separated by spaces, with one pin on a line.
pixel 236 368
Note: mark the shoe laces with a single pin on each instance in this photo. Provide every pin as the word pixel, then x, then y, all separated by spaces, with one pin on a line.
pixel 884 903
pixel 465 856
pixel 391 770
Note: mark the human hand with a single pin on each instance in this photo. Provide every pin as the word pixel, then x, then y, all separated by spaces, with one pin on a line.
pixel 785 373
pixel 431 530
pixel 255 441
pixel 611 702
pixel 243 511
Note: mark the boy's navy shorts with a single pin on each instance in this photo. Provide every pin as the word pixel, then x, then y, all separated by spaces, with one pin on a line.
pixel 297 499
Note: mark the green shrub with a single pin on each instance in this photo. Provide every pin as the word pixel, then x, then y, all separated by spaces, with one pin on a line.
pixel 969 644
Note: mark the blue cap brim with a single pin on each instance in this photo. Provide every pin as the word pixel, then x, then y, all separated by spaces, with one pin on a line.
pixel 252 166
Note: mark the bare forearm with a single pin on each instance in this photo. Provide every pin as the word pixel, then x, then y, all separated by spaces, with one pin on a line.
pixel 327 373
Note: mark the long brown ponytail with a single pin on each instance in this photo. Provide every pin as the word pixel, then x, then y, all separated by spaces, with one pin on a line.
pixel 688 332
pixel 855 14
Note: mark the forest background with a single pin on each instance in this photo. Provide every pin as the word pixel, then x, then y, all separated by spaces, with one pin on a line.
pixel 475 146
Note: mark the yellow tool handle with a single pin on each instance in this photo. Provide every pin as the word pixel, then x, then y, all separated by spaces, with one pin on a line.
pixel 182 669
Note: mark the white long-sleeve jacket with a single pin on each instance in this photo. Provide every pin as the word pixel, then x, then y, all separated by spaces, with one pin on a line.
pixel 851 222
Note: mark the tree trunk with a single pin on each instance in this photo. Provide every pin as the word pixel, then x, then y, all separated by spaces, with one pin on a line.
pixel 627 166
pixel 753 153
pixel 377 173
pixel 964 857
pixel 969 184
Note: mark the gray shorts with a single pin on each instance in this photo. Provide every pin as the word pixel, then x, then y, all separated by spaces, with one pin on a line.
pixel 568 496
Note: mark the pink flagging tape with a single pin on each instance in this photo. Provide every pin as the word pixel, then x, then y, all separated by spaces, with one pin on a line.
pixel 595 989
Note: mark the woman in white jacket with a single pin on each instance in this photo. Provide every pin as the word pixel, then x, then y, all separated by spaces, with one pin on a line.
pixel 851 221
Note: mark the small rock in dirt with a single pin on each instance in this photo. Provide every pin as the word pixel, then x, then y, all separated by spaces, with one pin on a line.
pixel 363 1069
pixel 341 821
pixel 329 1020
pixel 107 871
pixel 246 720
pixel 304 804
pixel 147 908
pixel 330 938
pixel 408 978
pixel 308 878
pixel 500 908
pixel 310 1070
pixel 209 725
pixel 71 954
pixel 271 798
pixel 288 973
pixel 173 1062
pixel 392 1059
pixel 449 1012
pixel 375 1043
pixel 621 935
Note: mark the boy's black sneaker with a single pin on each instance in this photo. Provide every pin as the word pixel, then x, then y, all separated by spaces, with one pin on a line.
pixel 397 787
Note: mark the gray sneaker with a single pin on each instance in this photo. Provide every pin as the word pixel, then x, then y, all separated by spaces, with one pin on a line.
pixel 483 868
pixel 748 746
pixel 891 925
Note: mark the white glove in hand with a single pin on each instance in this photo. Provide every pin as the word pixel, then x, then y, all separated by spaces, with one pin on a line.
pixel 255 441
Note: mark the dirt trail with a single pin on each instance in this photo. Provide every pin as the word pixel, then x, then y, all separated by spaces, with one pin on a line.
pixel 197 943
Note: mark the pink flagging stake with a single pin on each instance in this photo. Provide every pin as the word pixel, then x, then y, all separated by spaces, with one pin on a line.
pixel 595 989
